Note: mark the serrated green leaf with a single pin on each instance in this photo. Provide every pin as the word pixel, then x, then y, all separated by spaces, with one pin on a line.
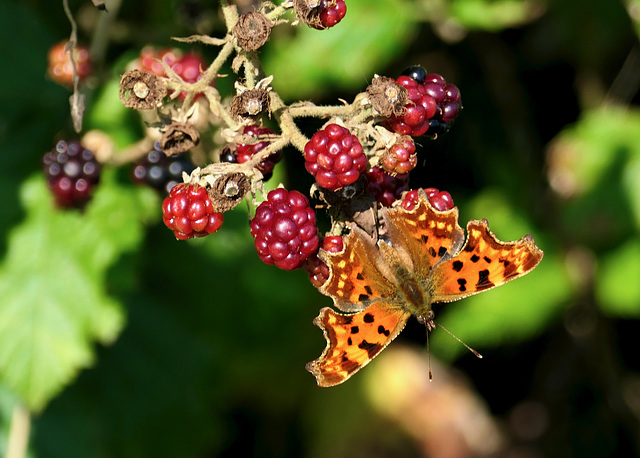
pixel 617 287
pixel 54 304
pixel 346 55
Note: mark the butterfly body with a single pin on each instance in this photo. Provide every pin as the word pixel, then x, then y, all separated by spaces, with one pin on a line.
pixel 422 258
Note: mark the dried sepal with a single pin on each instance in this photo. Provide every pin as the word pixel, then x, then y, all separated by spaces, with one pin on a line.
pixel 141 90
pixel 252 30
pixel 387 97
pixel 308 11
pixel 249 103
pixel 179 137
pixel 228 190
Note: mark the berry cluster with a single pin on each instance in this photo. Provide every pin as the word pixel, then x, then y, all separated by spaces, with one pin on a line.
pixel 189 213
pixel 385 188
pixel 284 228
pixel 188 66
pixel 60 68
pixel 159 171
pixel 72 171
pixel 245 151
pixel 433 104
pixel 440 200
pixel 334 157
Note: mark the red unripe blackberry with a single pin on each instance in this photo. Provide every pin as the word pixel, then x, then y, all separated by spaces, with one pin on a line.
pixel 188 212
pixel 419 109
pixel 385 188
pixel 188 67
pixel 401 158
pixel 244 152
pixel 331 12
pixel 284 228
pixel 159 171
pixel 317 270
pixel 440 200
pixel 72 171
pixel 334 157
pixel 449 103
pixel 60 69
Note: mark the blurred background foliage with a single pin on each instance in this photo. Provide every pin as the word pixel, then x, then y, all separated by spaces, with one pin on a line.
pixel 123 342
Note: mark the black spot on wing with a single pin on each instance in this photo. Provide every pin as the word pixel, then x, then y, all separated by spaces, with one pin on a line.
pixel 462 282
pixel 457 266
pixel 363 297
pixel 360 276
pixel 424 238
pixel 372 349
pixel 442 251
pixel 355 329
pixel 368 289
pixel 487 259
pixel 483 280
pixel 432 252
pixel 368 318
pixel 382 330
pixel 474 258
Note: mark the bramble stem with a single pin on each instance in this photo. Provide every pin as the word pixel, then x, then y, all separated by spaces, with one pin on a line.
pixel 19 432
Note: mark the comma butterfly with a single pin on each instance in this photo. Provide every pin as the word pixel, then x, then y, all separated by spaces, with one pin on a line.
pixel 421 259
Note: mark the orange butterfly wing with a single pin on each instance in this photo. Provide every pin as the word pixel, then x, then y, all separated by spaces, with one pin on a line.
pixel 424 235
pixel 482 263
pixel 354 339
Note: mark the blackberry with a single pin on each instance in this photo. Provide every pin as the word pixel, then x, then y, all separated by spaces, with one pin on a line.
pixel 189 213
pixel 448 100
pixel 284 228
pixel 439 200
pixel 334 157
pixel 331 12
pixel 72 172
pixel 317 270
pixel 416 73
pixel 400 158
pixel 159 171
pixel 60 68
pixel 385 188
pixel 244 152
pixel 420 108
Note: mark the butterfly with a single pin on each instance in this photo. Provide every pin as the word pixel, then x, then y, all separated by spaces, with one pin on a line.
pixel 422 258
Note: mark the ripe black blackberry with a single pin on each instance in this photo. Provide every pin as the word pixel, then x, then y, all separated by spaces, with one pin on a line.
pixel 159 171
pixel 72 172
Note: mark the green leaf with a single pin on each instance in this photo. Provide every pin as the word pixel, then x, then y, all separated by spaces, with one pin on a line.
pixel 617 287
pixel 595 165
pixel 493 15
pixel 346 55
pixel 52 283
pixel 511 312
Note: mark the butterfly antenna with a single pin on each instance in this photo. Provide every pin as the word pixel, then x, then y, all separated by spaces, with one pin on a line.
pixel 458 339
pixel 429 357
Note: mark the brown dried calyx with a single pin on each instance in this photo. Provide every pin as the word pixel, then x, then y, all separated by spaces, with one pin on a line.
pixel 141 90
pixel 308 11
pixel 387 97
pixel 228 191
pixel 252 30
pixel 178 138
pixel 249 103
